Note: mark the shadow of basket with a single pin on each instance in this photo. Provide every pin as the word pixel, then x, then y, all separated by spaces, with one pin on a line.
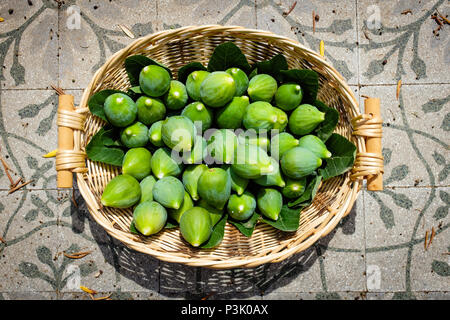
pixel 174 280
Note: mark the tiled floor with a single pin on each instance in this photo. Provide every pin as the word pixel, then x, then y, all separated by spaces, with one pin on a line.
pixel 376 252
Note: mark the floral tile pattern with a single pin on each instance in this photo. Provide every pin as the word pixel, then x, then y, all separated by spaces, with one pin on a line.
pixel 376 252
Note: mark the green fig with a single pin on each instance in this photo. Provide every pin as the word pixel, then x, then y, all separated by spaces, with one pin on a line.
pixel 262 87
pixel 163 164
pixel 251 162
pixel 217 89
pixel 241 207
pixel 299 162
pixel 193 83
pixel 214 186
pixel 230 116
pixel 262 115
pixel 136 163
pixel 177 213
pixel 154 80
pixel 178 133
pixel 154 134
pixel 272 179
pixel 169 191
pixel 134 136
pixel 281 143
pixel 270 202
pixel 214 213
pixel 294 188
pixel 258 139
pixel 198 152
pixel 222 146
pixel 150 110
pixel 149 217
pixel 315 145
pixel 120 109
pixel 196 226
pixel 190 178
pixel 146 185
pixel 240 78
pixel 282 120
pixel 288 96
pixel 304 119
pixel 196 111
pixel 177 96
pixel 238 184
pixel 122 191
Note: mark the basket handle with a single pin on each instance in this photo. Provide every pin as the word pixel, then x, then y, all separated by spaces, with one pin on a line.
pixel 369 165
pixel 69 158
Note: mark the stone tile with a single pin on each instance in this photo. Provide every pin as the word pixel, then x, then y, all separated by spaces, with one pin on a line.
pixel 28 224
pixel 344 252
pixel 177 13
pixel 336 27
pixel 349 234
pixel 415 144
pixel 396 222
pixel 430 268
pixel 345 295
pixel 111 266
pixel 398 46
pixel 420 295
pixel 89 34
pixel 29 47
pixel 41 295
pixel 28 132
pixel 299 273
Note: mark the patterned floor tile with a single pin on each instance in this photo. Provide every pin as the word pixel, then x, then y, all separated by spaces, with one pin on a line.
pixel 343 252
pixel 29 44
pixel 89 34
pixel 336 26
pixel 396 234
pixel 395 39
pixel 177 13
pixel 28 130
pixel 299 273
pixel 28 221
pixel 111 266
pixel 415 143
pixel 345 295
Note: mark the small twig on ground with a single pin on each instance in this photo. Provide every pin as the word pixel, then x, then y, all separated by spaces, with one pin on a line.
pixel 366 35
pixel 58 90
pixel 208 295
pixel 399 85
pixel 126 31
pixel 433 233
pixel 17 182
pixel 77 255
pixel 425 246
pixel 19 186
pixel 314 21
pixel 286 13
pixel 406 11
pixel 108 297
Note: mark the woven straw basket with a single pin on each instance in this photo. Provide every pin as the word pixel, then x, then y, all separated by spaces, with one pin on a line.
pixel 176 48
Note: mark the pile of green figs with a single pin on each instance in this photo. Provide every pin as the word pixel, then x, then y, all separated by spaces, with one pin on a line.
pixel 210 146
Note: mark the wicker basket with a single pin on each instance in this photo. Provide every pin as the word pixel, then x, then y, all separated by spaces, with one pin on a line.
pixel 175 48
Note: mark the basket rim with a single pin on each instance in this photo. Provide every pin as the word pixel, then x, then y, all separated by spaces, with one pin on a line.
pixel 334 214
